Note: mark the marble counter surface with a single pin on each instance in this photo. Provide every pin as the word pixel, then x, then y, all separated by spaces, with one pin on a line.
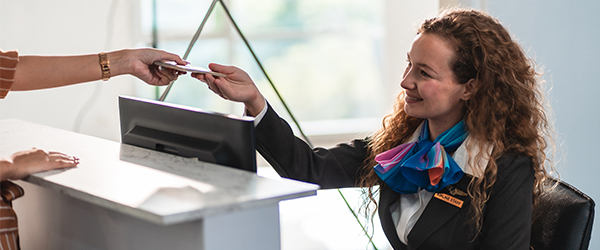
pixel 149 185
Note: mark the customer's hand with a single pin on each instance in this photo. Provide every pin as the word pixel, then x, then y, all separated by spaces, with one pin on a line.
pixel 36 160
pixel 140 63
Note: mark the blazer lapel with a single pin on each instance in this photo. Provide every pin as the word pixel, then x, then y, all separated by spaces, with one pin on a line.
pixel 387 196
pixel 442 207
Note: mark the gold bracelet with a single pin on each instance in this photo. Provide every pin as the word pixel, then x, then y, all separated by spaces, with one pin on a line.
pixel 104 65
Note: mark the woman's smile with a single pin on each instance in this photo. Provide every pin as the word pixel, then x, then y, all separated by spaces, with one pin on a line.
pixel 411 99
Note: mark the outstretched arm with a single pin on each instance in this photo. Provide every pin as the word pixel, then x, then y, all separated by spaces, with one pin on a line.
pixel 275 141
pixel 41 72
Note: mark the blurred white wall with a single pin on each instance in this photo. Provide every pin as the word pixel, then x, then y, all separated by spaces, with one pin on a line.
pixel 564 37
pixel 67 27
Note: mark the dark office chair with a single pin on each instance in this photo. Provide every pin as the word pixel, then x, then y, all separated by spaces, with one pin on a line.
pixel 564 219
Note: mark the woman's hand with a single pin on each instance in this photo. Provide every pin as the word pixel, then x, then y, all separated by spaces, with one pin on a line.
pixel 235 86
pixel 140 63
pixel 23 163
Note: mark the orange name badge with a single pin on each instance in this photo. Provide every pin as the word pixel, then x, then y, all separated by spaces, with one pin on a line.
pixel 447 198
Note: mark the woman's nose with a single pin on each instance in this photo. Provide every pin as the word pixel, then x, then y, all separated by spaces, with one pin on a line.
pixel 407 81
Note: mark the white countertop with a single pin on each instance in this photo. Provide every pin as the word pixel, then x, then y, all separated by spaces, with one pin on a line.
pixel 152 186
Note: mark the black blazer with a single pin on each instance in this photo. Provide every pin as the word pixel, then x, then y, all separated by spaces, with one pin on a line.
pixel 507 214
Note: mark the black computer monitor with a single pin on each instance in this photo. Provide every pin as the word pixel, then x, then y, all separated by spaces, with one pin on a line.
pixel 190 132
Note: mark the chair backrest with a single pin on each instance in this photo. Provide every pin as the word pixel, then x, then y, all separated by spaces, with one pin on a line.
pixel 563 219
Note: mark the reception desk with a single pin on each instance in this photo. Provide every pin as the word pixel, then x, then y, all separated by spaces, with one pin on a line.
pixel 126 197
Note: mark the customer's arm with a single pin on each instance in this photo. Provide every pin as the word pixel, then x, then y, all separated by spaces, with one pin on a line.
pixel 41 72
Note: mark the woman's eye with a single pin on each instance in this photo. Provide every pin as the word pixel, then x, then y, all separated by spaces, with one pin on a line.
pixel 423 73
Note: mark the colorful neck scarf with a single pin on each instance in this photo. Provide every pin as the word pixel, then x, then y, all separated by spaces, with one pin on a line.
pixel 423 163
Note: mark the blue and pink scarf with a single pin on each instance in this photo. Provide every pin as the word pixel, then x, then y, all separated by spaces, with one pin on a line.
pixel 423 163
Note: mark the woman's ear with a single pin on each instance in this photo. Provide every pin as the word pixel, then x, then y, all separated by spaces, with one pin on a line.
pixel 469 90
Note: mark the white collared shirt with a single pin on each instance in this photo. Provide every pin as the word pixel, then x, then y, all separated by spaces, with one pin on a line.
pixel 260 115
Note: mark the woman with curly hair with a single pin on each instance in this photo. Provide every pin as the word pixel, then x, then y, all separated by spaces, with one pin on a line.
pixel 459 162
